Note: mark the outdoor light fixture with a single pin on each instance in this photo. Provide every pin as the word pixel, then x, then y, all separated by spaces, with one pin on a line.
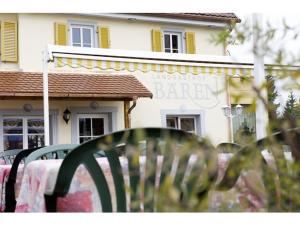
pixel 94 105
pixel 67 115
pixel 227 110
pixel 132 19
pixel 27 107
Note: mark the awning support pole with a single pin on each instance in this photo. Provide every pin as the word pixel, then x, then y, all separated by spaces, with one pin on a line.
pixel 46 97
pixel 259 78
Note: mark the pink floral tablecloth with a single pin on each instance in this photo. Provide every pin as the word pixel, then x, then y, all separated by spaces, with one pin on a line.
pixel 40 176
pixel 243 196
pixel 4 173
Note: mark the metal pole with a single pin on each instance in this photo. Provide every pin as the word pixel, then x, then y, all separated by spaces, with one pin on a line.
pixel 231 128
pixel 46 97
pixel 259 77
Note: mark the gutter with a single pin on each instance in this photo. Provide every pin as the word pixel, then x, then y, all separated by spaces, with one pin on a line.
pixel 130 109
pixel 140 18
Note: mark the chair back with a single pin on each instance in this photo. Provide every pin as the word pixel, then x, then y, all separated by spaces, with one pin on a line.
pixel 276 159
pixel 228 147
pixel 8 156
pixel 50 152
pixel 161 162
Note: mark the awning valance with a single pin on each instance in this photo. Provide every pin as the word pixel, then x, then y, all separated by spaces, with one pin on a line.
pixel 168 67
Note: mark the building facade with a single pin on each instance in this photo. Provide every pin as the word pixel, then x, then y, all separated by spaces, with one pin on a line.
pixel 150 70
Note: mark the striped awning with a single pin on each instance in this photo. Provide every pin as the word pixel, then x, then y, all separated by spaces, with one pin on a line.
pixel 168 67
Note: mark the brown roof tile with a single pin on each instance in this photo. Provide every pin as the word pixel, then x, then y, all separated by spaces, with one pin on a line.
pixel 25 84
pixel 216 17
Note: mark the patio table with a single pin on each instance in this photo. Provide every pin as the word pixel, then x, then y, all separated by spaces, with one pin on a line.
pixel 40 176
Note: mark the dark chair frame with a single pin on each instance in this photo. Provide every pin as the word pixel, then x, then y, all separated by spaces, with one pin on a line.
pixel 10 196
pixel 84 154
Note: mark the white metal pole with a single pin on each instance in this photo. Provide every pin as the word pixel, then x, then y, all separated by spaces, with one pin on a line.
pixel 46 97
pixel 231 128
pixel 259 77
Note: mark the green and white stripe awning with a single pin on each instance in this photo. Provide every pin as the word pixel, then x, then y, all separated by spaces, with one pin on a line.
pixel 168 67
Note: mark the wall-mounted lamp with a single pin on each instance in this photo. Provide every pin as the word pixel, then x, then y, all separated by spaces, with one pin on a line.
pixel 94 105
pixel 227 110
pixel 27 107
pixel 132 19
pixel 67 115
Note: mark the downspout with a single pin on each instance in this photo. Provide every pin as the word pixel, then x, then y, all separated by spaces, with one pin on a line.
pixel 130 109
pixel 228 97
pixel 229 119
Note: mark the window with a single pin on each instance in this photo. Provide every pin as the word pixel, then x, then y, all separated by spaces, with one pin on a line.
pixel 186 123
pixel 82 35
pixel 92 126
pixel 22 133
pixel 173 42
pixel 243 124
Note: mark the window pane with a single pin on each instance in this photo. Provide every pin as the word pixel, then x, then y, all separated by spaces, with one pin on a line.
pixel 84 127
pixel 84 139
pixel 87 37
pixel 187 124
pixel 167 40
pixel 98 126
pixel 243 125
pixel 175 50
pixel 12 126
pixel 87 45
pixel 35 126
pixel 76 40
pixel 167 50
pixel 77 45
pixel 13 142
pixel 172 122
pixel 36 141
pixel 175 41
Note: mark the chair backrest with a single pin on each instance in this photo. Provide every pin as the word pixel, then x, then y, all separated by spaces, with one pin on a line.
pixel 50 152
pixel 10 198
pixel 278 176
pixel 8 156
pixel 176 147
pixel 228 147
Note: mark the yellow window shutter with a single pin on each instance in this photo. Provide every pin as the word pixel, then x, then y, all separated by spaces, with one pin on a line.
pixel 104 38
pixel 190 42
pixel 9 41
pixel 156 40
pixel 61 33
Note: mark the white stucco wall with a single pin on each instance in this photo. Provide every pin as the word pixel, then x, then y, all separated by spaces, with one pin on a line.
pixel 185 95
pixel 37 30
pixel 180 93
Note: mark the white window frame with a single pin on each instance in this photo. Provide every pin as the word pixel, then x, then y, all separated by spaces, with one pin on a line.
pixel 91 116
pixel 75 24
pixel 179 117
pixel 25 133
pixel 180 34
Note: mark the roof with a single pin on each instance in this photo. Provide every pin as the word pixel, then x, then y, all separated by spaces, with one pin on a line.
pixel 63 85
pixel 215 17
